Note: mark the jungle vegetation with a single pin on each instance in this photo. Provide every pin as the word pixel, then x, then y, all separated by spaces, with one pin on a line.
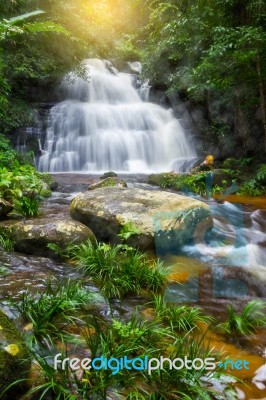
pixel 209 54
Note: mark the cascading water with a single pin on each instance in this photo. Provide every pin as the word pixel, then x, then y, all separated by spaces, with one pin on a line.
pixel 105 125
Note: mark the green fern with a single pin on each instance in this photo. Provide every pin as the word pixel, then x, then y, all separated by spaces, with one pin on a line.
pixel 261 173
pixel 127 230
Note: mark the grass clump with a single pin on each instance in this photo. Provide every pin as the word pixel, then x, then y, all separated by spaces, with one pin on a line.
pixel 131 338
pixel 6 242
pixel 28 206
pixel 252 317
pixel 119 270
pixel 44 309
pixel 61 252
pixel 179 318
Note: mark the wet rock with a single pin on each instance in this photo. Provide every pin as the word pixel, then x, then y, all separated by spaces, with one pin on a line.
pixel 109 174
pixel 108 182
pixel 54 185
pixel 260 377
pixel 5 208
pixel 164 221
pixel 33 236
pixel 45 190
pixel 155 179
pixel 14 357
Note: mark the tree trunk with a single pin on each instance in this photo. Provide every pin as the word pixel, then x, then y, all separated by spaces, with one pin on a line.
pixel 262 97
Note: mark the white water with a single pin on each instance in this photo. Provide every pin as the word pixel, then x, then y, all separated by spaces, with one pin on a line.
pixel 232 243
pixel 106 125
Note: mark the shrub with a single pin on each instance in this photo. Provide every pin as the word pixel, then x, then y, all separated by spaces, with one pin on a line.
pixel 21 187
pixel 7 154
pixel 180 318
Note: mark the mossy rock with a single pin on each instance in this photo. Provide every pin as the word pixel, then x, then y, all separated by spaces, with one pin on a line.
pixel 5 208
pixel 54 185
pixel 45 190
pixel 111 182
pixel 14 357
pixel 33 236
pixel 109 174
pixel 46 193
pixel 155 179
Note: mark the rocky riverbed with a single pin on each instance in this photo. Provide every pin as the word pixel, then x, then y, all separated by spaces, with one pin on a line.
pixel 192 279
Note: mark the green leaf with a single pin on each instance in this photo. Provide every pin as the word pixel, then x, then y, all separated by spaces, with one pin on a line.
pixel 45 26
pixel 14 20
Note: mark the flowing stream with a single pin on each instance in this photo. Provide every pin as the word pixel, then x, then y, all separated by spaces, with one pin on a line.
pixel 227 267
pixel 106 124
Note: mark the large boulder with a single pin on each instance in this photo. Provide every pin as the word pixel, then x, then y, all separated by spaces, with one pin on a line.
pixel 14 357
pixel 162 221
pixel 33 236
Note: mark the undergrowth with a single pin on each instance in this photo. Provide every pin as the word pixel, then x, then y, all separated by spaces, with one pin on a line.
pixel 119 270
pixel 53 306
pixel 169 334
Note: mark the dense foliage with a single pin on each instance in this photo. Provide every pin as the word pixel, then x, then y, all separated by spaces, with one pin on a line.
pixel 37 50
pixel 213 53
pixel 62 318
pixel 210 52
pixel 21 186
pixel 219 181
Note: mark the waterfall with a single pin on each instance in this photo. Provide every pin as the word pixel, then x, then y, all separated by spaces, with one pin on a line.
pixel 105 124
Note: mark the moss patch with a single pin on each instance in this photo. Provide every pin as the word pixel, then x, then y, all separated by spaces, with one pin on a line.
pixel 14 357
